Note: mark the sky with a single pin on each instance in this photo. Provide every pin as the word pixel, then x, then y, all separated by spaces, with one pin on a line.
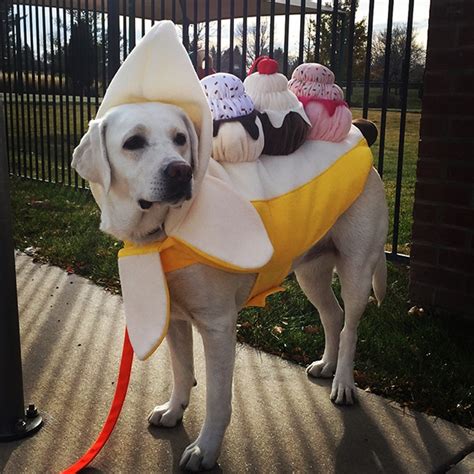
pixel 421 14
pixel 400 15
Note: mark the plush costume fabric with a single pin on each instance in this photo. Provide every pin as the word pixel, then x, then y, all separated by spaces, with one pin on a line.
pixel 315 80
pixel 285 123
pixel 237 131
pixel 298 198
pixel 323 102
pixel 249 122
pixel 368 129
pixel 270 95
pixel 285 139
pixel 242 216
pixel 226 96
pixel 326 126
pixel 238 140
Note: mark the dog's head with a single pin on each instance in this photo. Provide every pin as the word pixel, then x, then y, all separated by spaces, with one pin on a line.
pixel 145 158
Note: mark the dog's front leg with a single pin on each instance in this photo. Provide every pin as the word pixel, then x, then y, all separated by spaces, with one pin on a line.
pixel 219 338
pixel 180 344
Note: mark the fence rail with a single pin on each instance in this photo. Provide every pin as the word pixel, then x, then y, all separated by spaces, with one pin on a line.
pixel 59 55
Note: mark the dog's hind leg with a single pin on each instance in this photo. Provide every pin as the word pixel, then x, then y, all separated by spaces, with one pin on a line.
pixel 359 236
pixel 180 344
pixel 315 278
pixel 355 276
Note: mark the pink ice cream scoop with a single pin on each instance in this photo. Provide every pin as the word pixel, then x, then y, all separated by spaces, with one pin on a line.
pixel 323 102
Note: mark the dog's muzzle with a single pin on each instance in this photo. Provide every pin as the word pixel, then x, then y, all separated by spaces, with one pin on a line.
pixel 178 185
pixel 178 175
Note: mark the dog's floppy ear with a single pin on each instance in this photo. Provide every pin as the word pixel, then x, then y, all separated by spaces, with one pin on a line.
pixel 193 138
pixel 90 156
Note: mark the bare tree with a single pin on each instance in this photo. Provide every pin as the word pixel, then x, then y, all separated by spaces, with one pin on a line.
pixel 397 55
pixel 199 36
pixel 257 45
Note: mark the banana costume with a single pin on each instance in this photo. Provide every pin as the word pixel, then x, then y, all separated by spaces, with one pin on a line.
pixel 251 217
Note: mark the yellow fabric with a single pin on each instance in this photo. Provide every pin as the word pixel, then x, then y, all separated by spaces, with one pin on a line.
pixel 176 254
pixel 294 221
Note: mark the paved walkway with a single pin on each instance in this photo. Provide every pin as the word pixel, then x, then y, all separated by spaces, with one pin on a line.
pixel 282 421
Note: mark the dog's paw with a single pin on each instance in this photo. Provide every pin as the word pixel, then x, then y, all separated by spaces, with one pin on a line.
pixel 343 390
pixel 198 457
pixel 321 368
pixel 166 415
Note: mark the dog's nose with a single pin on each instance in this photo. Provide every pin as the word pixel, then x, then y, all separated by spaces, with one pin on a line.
pixel 179 172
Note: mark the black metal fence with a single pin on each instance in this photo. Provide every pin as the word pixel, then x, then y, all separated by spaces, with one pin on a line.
pixel 59 55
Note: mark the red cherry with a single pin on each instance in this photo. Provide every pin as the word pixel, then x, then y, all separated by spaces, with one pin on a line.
pixel 264 65
pixel 267 66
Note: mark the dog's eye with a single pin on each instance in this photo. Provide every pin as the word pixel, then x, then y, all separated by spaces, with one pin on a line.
pixel 135 142
pixel 180 139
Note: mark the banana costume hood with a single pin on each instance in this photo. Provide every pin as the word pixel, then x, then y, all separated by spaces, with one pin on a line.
pixel 254 217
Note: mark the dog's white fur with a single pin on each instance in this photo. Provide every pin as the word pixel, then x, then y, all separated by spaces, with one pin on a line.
pixel 130 175
pixel 210 298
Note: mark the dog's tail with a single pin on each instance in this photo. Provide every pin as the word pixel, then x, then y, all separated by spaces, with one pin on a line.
pixel 379 279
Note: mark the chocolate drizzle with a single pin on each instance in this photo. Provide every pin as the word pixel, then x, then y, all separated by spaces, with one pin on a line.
pixel 286 139
pixel 247 121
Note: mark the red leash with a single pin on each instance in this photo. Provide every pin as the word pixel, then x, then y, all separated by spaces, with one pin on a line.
pixel 115 409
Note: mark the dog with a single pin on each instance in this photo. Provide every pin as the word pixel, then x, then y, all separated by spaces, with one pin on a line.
pixel 145 157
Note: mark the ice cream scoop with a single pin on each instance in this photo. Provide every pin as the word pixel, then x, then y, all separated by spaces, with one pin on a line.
pixel 323 100
pixel 285 123
pixel 237 134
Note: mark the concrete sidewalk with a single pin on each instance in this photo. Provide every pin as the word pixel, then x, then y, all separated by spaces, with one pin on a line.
pixel 282 422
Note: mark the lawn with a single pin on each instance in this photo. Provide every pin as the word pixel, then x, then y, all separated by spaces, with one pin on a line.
pixel 390 161
pixel 422 361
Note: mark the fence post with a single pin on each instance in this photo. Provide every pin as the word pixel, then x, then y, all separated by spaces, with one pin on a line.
pixel 14 422
pixel 113 38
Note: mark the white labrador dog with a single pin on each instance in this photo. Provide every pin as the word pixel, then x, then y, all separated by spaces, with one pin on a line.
pixel 145 155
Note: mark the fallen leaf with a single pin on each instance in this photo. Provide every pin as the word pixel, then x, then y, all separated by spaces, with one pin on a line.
pixel 298 358
pixel 31 251
pixel 246 325
pixel 40 204
pixel 416 311
pixel 277 330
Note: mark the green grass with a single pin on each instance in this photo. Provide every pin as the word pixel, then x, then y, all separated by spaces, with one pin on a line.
pixel 410 156
pixel 393 101
pixel 424 362
pixel 60 225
